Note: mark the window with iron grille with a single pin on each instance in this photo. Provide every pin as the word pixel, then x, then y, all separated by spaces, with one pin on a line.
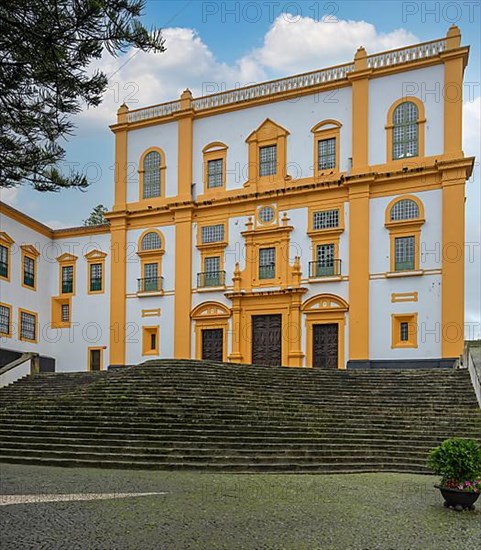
pixel 266 214
pixel 326 153
pixel 151 186
pixel 95 277
pixel 326 219
pixel 65 313
pixel 404 331
pixel 151 278
pixel 405 131
pixel 153 341
pixel 267 263
pixel 3 261
pixel 67 279
pixel 28 271
pixel 4 320
pixel 404 250
pixel 211 276
pixel 268 160
pixel 151 241
pixel 212 233
pixel 27 326
pixel 405 209
pixel 215 173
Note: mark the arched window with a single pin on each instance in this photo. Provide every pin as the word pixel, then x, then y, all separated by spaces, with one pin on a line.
pixel 405 132
pixel 405 209
pixel 151 172
pixel 151 241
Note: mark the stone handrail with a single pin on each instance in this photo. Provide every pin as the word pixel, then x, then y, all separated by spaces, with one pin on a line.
pixel 7 374
pixel 405 55
pixel 474 370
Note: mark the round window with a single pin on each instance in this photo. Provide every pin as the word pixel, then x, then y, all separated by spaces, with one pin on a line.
pixel 266 214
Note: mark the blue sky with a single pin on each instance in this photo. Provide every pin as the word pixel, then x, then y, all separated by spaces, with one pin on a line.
pixel 230 43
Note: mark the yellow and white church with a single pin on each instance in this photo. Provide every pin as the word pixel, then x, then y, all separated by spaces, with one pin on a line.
pixel 312 221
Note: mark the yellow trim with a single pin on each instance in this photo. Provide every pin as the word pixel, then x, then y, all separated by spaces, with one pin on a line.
pixel 404 297
pixel 141 172
pixel 211 315
pixel 95 257
pixel 389 207
pixel 151 256
pixel 412 320
pixel 10 321
pixel 147 332
pixel 323 207
pixel 28 253
pixel 101 349
pixel 321 133
pixel 20 311
pixel 118 290
pixel 268 133
pixel 56 311
pixel 151 312
pixel 214 151
pixel 275 219
pixel 67 260
pixel 7 241
pixel 185 146
pixel 389 131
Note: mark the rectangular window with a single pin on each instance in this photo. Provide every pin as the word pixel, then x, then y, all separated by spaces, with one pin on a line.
pixel 324 260
pixel 3 261
pixel 404 332
pixel 211 275
pixel 153 341
pixel 215 170
pixel 267 263
pixel 65 313
pixel 28 328
pixel 67 279
pixel 212 233
pixel 4 320
pixel 326 219
pixel 29 271
pixel 151 278
pixel 96 277
pixel 268 160
pixel 404 250
pixel 150 340
pixel 326 153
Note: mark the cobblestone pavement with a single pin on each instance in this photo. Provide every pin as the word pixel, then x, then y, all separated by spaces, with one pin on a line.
pixel 200 510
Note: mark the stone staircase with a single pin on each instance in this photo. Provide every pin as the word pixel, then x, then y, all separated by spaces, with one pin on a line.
pixel 195 415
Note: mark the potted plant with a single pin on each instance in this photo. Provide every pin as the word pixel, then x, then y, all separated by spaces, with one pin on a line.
pixel 458 462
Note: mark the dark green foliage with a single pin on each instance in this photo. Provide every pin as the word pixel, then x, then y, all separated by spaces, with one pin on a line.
pixel 97 216
pixel 45 49
pixel 456 460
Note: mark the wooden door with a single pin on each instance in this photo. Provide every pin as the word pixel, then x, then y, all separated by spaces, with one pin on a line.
pixel 213 344
pixel 95 359
pixel 325 346
pixel 267 339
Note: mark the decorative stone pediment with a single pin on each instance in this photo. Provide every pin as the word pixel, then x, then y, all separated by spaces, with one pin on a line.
pixel 325 302
pixel 67 257
pixel 5 238
pixel 209 310
pixel 30 249
pixel 95 255
pixel 266 131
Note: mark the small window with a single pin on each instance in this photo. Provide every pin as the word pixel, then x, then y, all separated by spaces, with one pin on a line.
pixel 29 271
pixel 67 279
pixel 326 153
pixel 404 331
pixel 150 341
pixel 3 261
pixel 151 177
pixel 28 329
pixel 324 260
pixel 215 169
pixel 151 280
pixel 267 263
pixel 404 253
pixel 153 341
pixel 405 209
pixel 151 241
pixel 65 313
pixel 96 277
pixel 212 273
pixel 266 214
pixel 326 219
pixel 212 233
pixel 268 160
pixel 405 131
pixel 4 320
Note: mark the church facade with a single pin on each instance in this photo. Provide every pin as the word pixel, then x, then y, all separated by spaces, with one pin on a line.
pixel 311 221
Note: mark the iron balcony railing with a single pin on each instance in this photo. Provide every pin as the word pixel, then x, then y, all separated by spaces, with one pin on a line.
pixel 324 268
pixel 150 284
pixel 210 278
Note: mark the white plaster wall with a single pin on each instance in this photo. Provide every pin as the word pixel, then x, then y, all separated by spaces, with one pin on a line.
pixel 427 85
pixel 297 116
pixel 428 309
pixel 164 136
pixel 431 232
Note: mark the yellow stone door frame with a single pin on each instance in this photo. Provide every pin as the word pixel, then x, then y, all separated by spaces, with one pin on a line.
pixel 211 315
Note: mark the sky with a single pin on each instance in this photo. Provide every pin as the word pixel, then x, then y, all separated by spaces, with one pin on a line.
pixel 215 45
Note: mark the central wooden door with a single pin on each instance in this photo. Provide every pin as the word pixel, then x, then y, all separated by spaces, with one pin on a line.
pixel 213 344
pixel 325 346
pixel 267 339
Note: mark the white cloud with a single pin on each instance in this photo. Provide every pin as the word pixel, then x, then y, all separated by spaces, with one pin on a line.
pixel 9 195
pixel 141 79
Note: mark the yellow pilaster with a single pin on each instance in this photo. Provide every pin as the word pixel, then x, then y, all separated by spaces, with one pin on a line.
pixel 118 236
pixel 359 271
pixel 453 265
pixel 185 131
pixel 120 197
